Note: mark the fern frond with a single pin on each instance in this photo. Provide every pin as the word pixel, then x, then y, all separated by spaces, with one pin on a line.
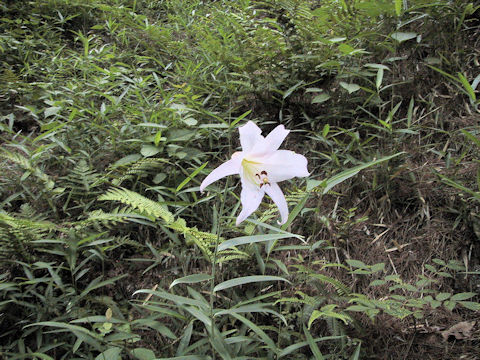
pixel 205 241
pixel 16 234
pixel 141 168
pixel 139 202
pixel 116 216
pixel 340 287
pixel 82 179
pixel 28 166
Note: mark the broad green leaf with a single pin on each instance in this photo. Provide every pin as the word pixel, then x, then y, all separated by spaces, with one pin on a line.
pixel 111 354
pixel 351 88
pixel 346 49
pixel 449 304
pixel 471 305
pixel 442 296
pixel 379 79
pixel 403 36
pixel 325 131
pixel 337 39
pixel 398 7
pixel 357 263
pixel 190 121
pixel 54 110
pixel 463 296
pixel 320 98
pixel 149 150
pixel 247 280
pixel 377 282
pixel 143 354
pixel 378 267
pixel 191 279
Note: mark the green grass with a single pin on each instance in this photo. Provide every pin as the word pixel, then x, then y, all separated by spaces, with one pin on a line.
pixel 112 112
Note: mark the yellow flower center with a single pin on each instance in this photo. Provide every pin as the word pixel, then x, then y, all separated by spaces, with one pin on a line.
pixel 253 172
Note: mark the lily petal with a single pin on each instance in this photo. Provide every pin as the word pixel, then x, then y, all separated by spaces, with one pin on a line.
pixel 272 142
pixel 251 197
pixel 250 134
pixel 230 167
pixel 274 191
pixel 283 165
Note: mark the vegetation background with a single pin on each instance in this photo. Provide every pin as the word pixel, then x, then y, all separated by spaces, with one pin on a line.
pixel 113 111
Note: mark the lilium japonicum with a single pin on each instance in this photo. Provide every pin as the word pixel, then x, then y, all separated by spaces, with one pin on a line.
pixel 261 167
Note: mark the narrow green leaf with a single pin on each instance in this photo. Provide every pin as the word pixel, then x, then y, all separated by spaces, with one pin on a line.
pixel 344 175
pixel 313 345
pixel 95 285
pixel 471 137
pixel 180 300
pixel 266 339
pixel 325 131
pixel 243 240
pixel 466 85
pixel 241 117
pixel 292 89
pixel 443 73
pixel 356 353
pixel 410 112
pixel 191 279
pixel 246 280
pixel 200 315
pixel 190 177
pixel 378 81
pixel 252 308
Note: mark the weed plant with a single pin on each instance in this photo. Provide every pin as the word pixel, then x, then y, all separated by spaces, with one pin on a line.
pixel 113 111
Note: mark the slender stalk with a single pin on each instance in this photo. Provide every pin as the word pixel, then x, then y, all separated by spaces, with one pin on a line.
pixel 215 252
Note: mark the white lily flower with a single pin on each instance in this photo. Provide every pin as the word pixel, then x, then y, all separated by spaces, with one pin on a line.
pixel 261 166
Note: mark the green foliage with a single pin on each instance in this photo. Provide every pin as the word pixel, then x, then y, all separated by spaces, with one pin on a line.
pixel 110 113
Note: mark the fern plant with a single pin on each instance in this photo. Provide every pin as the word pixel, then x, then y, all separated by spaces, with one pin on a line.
pixel 155 211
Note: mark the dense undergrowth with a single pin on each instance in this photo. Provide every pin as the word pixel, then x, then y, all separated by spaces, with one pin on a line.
pixel 113 111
